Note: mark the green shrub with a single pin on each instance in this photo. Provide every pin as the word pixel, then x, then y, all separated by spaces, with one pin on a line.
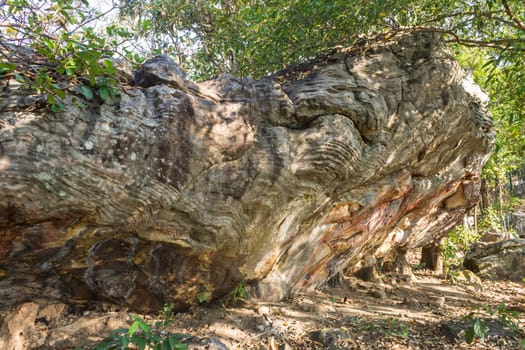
pixel 456 246
pixel 506 317
pixel 142 335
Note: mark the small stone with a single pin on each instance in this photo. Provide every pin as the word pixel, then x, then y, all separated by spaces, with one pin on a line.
pixel 263 310
pixel 88 145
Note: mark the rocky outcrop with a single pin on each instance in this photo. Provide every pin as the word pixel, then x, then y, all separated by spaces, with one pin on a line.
pixel 177 191
pixel 518 222
pixel 499 260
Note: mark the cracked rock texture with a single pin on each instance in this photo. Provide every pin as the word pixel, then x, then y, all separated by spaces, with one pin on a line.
pixel 177 191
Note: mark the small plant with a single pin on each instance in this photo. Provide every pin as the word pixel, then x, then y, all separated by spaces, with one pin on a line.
pixel 203 295
pixel 505 316
pixel 478 330
pixel 167 314
pixel 391 326
pixel 509 318
pixel 397 328
pixel 239 292
pixel 142 335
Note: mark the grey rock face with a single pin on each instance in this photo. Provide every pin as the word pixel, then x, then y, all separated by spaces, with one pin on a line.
pixel 499 260
pixel 178 191
pixel 160 70
pixel 518 223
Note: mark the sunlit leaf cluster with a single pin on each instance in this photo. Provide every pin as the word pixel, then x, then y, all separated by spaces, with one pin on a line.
pixel 52 48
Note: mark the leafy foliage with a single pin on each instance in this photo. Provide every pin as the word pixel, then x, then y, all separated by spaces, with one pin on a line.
pixel 505 83
pixel 478 330
pixel 250 37
pixel 142 335
pixel 506 317
pixel 456 246
pixel 50 48
pixel 239 292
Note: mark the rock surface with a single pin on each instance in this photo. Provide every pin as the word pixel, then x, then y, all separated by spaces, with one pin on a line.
pixel 518 222
pixel 499 260
pixel 177 191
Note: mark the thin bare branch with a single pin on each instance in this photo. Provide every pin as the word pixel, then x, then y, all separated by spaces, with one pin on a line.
pixel 512 16
pixel 95 18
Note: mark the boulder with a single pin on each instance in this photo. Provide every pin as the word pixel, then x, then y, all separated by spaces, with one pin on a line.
pixel 16 326
pixel 493 236
pixel 499 260
pixel 177 191
pixel 518 222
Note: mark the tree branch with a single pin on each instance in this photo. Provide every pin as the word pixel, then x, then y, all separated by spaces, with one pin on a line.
pixel 511 15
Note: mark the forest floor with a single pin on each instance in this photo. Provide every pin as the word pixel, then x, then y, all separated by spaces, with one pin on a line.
pixel 424 312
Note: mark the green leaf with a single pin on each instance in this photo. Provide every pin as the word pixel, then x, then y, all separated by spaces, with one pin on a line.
pixel 59 93
pixel 104 93
pixel 155 338
pixel 480 328
pixel 86 91
pixel 7 67
pixel 108 64
pixel 112 92
pixel 124 341
pixel 174 341
pixel 118 332
pixel 140 342
pixel 469 335
pixel 143 325
pixel 166 345
pixel 134 327
pixel 19 77
pixel 502 308
pixel 179 336
pixel 146 25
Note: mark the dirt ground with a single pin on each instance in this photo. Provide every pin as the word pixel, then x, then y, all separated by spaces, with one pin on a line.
pixel 423 312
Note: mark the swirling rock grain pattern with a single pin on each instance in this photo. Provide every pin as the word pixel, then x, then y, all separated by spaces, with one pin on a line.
pixel 177 191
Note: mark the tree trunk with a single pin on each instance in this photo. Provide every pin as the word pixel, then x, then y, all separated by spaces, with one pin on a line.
pixel 176 191
pixel 484 195
pixel 432 256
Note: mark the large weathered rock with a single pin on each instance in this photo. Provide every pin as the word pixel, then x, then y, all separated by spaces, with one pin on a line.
pixel 178 191
pixel 518 222
pixel 499 260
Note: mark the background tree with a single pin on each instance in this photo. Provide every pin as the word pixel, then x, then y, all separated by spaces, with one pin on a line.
pixel 254 38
